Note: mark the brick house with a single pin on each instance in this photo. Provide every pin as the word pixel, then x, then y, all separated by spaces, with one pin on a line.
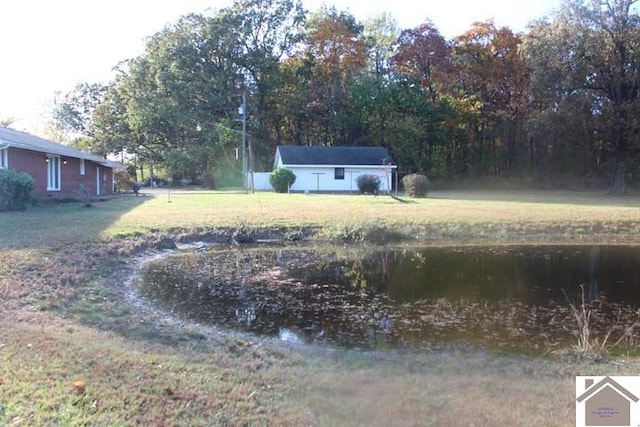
pixel 60 172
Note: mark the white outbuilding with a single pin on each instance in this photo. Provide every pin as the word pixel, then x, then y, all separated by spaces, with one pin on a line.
pixel 335 168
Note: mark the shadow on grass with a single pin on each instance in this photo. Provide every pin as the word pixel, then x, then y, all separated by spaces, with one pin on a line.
pixel 58 224
pixel 401 200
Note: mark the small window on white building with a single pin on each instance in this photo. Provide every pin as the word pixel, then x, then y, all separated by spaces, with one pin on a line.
pixel 339 173
pixel 82 170
pixel 4 158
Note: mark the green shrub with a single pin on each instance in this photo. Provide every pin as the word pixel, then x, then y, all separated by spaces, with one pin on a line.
pixel 282 179
pixel 16 190
pixel 415 185
pixel 368 184
pixel 123 180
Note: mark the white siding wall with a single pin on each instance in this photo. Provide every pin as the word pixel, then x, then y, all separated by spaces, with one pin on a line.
pixel 319 179
pixel 323 178
pixel 260 181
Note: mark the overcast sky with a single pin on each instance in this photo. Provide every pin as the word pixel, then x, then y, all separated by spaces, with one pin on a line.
pixel 50 45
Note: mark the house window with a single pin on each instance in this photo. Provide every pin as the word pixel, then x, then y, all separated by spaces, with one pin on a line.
pixel 339 173
pixel 4 158
pixel 53 173
pixel 82 170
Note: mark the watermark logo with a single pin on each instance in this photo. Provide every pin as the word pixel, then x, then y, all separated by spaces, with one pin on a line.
pixel 608 401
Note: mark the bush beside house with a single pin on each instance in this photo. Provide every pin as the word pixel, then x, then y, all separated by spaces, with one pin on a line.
pixel 368 184
pixel 16 190
pixel 123 180
pixel 415 185
pixel 282 179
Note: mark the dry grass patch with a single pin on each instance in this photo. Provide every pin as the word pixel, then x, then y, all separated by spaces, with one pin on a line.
pixel 447 389
pixel 72 375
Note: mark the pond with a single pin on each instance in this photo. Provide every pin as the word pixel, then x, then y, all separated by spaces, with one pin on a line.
pixel 517 299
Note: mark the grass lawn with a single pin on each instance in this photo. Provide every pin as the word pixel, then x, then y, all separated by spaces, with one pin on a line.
pixel 526 213
pixel 76 350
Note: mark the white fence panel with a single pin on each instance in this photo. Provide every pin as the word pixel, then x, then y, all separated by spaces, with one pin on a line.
pixel 260 181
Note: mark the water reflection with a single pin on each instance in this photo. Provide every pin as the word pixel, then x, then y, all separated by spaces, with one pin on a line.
pixel 512 298
pixel 290 336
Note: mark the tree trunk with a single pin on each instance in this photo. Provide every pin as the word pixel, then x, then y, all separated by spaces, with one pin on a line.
pixel 619 185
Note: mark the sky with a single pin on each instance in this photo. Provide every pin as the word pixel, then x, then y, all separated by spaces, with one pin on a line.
pixel 49 46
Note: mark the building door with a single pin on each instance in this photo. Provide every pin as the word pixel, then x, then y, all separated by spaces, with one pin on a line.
pixel 97 180
pixel 53 173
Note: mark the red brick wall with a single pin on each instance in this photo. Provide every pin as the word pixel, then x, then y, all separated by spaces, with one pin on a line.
pixel 34 163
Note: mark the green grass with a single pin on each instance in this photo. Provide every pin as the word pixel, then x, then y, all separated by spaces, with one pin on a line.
pixel 65 316
pixel 186 209
pixel 583 213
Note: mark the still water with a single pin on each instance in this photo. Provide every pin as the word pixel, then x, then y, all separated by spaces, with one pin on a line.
pixel 505 298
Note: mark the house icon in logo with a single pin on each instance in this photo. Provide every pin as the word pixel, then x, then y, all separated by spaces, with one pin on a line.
pixel 606 403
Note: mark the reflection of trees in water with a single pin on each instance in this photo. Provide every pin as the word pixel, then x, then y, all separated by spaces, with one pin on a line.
pixel 363 270
pixel 592 282
pixel 534 275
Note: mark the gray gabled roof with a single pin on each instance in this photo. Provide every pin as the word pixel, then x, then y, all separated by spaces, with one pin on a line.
pixel 336 155
pixel 17 139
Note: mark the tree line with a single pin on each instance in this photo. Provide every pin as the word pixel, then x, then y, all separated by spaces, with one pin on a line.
pixel 555 102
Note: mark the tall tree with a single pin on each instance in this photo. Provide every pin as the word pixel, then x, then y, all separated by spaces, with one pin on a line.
pixel 420 65
pixel 371 106
pixel 268 31
pixel 595 48
pixel 423 55
pixel 560 123
pixel 490 73
pixel 183 79
pixel 6 122
pixel 334 57
pixel 381 35
pixel 72 112
pixel 614 76
pixel 110 121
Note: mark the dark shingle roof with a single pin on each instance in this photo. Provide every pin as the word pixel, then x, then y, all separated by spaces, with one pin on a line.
pixel 17 139
pixel 337 155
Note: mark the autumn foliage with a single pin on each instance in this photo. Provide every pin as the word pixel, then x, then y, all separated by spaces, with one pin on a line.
pixel 556 101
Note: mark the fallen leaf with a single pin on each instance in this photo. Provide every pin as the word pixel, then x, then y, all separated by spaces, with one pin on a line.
pixel 79 386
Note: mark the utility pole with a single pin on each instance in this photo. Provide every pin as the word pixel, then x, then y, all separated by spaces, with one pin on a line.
pixel 243 111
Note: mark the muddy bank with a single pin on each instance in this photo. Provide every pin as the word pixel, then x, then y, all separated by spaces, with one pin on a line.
pixel 614 232
pixel 90 281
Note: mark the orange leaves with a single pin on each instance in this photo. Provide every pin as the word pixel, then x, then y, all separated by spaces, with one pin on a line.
pixel 79 387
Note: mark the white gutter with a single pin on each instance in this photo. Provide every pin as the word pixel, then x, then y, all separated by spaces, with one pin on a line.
pixel 339 166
